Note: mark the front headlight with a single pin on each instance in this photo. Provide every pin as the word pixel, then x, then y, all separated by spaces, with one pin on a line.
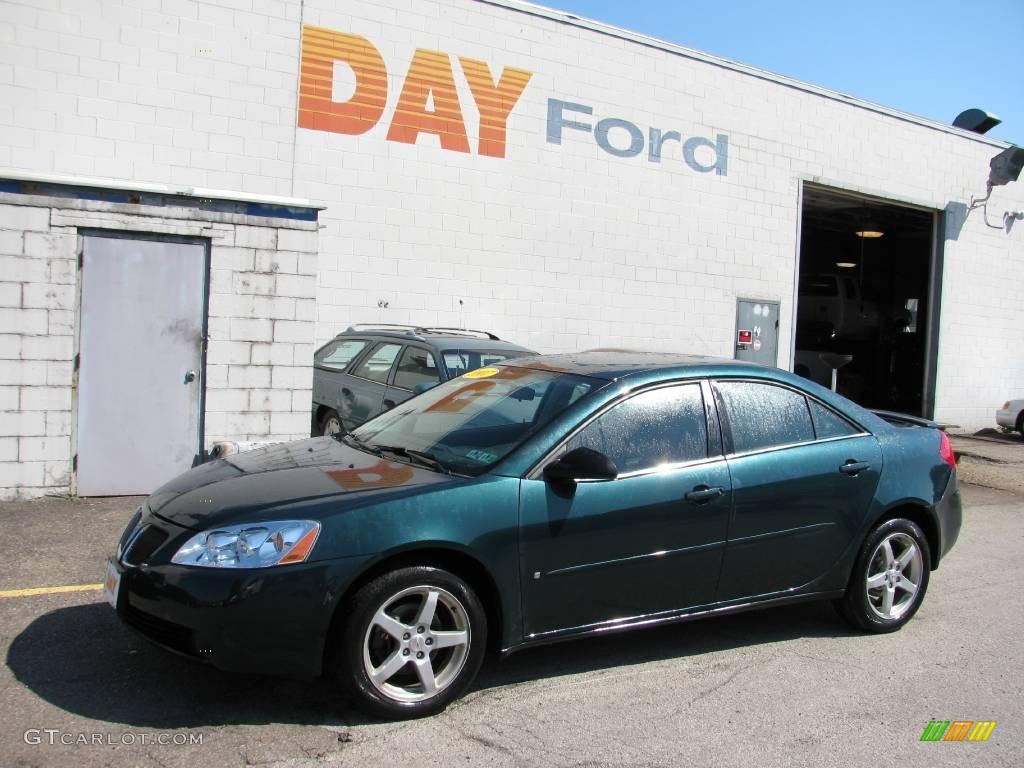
pixel 256 545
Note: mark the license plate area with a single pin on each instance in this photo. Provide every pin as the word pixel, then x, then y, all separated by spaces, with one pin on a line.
pixel 112 584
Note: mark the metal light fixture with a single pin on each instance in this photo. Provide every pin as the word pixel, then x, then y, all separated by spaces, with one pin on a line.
pixel 870 230
pixel 1006 166
pixel 1003 168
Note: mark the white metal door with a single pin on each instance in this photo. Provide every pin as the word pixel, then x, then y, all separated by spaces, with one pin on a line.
pixel 140 364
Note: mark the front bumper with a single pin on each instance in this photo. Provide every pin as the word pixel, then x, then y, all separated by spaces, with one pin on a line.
pixel 1006 418
pixel 271 621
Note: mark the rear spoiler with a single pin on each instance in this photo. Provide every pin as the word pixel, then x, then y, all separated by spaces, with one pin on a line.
pixel 902 418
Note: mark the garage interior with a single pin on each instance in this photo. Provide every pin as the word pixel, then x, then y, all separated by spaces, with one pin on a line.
pixel 867 299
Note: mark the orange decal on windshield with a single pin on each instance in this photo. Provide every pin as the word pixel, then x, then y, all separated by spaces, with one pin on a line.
pixel 480 373
pixel 462 397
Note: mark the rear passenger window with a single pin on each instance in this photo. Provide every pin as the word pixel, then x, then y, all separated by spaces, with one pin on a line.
pixel 417 366
pixel 764 416
pixel 338 354
pixel 661 426
pixel 377 366
pixel 828 423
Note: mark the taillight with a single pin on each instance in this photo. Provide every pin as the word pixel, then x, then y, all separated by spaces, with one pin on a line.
pixel 1006 405
pixel 946 450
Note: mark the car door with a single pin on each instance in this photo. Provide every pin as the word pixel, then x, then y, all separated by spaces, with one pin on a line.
pixel 801 486
pixel 329 366
pixel 648 542
pixel 417 365
pixel 363 395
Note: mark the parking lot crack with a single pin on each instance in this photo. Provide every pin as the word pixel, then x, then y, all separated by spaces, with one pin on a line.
pixel 718 686
pixel 826 660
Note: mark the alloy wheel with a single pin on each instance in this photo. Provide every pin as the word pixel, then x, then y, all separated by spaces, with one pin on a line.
pixel 894 576
pixel 416 644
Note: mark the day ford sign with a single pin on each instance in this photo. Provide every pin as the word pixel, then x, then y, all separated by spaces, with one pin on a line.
pixel 428 102
pixel 636 141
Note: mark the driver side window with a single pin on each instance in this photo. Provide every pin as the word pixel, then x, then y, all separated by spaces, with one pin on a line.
pixel 660 426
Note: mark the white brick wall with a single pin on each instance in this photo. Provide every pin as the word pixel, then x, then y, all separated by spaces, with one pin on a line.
pixel 38 278
pixel 192 92
pixel 557 247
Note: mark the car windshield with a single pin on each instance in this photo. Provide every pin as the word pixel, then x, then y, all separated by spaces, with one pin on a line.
pixel 471 423
pixel 460 361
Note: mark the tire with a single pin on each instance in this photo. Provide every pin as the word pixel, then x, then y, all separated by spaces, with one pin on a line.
pixel 382 627
pixel 1020 423
pixel 331 424
pixel 864 606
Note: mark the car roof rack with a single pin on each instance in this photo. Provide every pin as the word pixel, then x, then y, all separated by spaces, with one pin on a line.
pixel 382 327
pixel 416 330
pixel 460 332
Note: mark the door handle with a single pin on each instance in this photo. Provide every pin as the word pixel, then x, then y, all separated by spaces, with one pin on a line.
pixel 702 494
pixel 190 376
pixel 854 468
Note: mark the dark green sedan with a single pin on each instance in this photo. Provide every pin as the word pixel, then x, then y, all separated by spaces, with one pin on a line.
pixel 544 498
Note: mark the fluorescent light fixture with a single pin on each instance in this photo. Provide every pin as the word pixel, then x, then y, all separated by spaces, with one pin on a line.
pixel 846 264
pixel 868 227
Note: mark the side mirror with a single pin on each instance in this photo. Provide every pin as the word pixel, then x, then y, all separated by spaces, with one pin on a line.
pixel 419 389
pixel 581 464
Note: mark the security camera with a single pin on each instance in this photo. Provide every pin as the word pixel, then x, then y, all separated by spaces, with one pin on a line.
pixel 1006 166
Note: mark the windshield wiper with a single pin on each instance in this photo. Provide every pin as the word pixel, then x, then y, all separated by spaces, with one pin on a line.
pixel 349 439
pixel 422 457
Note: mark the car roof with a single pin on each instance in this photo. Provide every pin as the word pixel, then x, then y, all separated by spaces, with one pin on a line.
pixel 439 338
pixel 613 364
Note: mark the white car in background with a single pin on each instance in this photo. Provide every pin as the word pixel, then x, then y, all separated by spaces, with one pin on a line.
pixel 1011 415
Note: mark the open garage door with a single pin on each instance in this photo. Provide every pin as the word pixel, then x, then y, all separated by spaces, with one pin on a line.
pixel 868 299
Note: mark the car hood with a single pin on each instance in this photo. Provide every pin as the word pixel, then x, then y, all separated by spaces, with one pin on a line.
pixel 256 485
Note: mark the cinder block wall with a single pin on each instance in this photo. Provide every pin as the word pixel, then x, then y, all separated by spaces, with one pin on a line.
pixel 261 327
pixel 37 327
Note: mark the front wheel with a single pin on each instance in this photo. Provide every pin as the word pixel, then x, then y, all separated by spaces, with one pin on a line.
pixel 412 642
pixel 889 579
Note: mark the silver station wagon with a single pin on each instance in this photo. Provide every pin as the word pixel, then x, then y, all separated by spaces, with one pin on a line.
pixel 369 369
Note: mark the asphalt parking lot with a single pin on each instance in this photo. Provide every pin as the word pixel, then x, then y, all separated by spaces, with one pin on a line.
pixel 791 686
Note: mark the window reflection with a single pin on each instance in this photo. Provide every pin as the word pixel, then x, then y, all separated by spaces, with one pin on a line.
pixel 661 426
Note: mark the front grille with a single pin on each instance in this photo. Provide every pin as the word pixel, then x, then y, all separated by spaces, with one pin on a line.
pixel 144 544
pixel 174 636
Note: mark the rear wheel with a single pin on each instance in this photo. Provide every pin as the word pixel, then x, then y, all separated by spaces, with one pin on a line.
pixel 1020 423
pixel 889 579
pixel 331 424
pixel 412 642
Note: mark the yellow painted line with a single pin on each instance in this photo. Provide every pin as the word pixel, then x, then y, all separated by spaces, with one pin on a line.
pixel 50 590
